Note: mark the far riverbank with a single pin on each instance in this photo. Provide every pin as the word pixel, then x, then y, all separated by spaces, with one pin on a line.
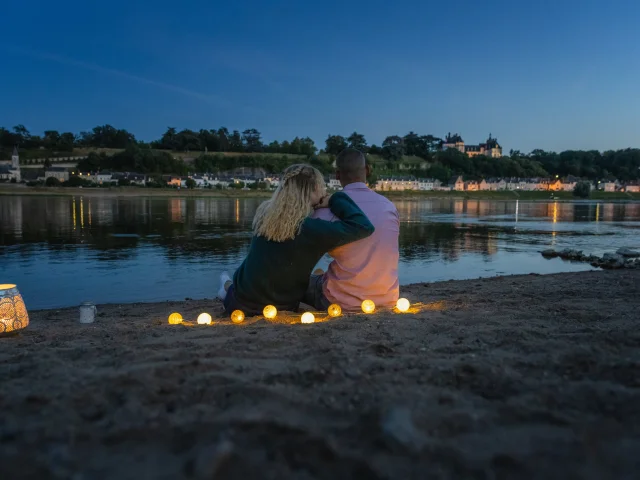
pixel 9 189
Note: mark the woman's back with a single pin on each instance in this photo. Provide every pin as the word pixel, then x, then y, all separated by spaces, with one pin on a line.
pixel 277 273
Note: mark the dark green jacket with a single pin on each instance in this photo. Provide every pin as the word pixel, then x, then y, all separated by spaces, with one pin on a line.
pixel 277 273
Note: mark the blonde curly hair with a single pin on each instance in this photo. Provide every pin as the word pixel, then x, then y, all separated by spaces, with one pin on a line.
pixel 281 217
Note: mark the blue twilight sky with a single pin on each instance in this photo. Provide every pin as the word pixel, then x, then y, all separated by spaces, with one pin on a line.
pixel 552 74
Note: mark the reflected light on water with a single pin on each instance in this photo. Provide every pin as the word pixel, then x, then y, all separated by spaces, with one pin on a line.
pixel 555 220
pixel 169 248
pixel 81 212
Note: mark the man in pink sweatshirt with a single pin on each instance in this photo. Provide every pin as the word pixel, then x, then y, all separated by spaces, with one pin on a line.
pixel 366 269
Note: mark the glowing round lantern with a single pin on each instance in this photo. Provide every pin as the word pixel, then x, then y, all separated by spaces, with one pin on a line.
pixel 334 310
pixel 13 313
pixel 368 306
pixel 204 319
pixel 175 319
pixel 270 312
pixel 402 304
pixel 307 317
pixel 237 316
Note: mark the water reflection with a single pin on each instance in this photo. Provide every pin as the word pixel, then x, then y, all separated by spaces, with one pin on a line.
pixel 63 250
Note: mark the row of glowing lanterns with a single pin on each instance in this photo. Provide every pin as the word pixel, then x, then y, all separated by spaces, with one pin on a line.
pixel 270 312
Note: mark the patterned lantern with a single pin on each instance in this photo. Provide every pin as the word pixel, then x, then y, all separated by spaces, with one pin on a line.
pixel 334 310
pixel 270 312
pixel 368 306
pixel 237 316
pixel 13 313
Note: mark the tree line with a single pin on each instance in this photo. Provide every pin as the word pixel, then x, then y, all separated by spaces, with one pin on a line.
pixel 144 159
pixel 210 145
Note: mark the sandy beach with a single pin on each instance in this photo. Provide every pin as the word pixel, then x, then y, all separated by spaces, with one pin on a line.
pixel 510 377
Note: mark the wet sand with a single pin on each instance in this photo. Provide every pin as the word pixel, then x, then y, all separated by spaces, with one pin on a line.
pixel 511 377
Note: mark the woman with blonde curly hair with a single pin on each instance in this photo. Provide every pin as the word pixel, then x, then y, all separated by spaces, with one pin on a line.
pixel 287 243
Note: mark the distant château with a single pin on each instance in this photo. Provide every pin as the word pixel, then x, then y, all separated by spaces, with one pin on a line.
pixel 491 148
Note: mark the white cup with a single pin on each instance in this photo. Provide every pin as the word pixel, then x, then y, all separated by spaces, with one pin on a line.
pixel 87 312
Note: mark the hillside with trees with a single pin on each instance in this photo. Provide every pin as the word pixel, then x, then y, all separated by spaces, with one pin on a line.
pixel 217 150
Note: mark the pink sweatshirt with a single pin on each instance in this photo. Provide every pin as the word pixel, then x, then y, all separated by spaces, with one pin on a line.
pixel 367 268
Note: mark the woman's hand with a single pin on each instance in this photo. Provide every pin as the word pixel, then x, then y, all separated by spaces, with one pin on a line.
pixel 323 203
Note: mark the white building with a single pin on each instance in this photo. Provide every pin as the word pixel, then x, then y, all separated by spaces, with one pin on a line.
pixel 137 179
pixel 100 178
pixel 219 182
pixel 11 171
pixel 493 184
pixel 426 184
pixel 61 173
pixel 334 184
pixel 272 182
pixel 397 184
pixel 632 187
pixel 201 181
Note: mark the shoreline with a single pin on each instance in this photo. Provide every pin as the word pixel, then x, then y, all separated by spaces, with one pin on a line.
pixel 217 311
pixel 8 190
pixel 529 376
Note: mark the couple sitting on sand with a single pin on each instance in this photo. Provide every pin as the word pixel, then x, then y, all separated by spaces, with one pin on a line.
pixel 299 224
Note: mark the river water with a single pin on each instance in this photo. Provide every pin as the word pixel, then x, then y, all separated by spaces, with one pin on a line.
pixel 61 251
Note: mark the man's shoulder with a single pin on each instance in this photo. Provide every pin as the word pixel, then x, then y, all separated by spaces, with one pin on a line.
pixel 369 196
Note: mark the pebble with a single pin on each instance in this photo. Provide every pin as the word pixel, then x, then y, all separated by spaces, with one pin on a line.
pixel 397 425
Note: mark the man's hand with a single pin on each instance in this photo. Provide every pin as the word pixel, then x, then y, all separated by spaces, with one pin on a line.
pixel 323 203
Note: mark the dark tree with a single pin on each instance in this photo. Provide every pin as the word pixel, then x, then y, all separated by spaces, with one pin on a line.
pixel 335 144
pixel 251 141
pixel 357 141
pixel 393 148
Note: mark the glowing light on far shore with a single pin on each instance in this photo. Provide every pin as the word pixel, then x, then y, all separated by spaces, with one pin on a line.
pixel 368 306
pixel 307 317
pixel 270 312
pixel 334 310
pixel 403 305
pixel 237 316
pixel 204 319
pixel 175 319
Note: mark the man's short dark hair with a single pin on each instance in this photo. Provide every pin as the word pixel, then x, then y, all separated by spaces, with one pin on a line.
pixel 351 163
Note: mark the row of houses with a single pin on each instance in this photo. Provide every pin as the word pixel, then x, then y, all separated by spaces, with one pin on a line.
pixel 221 181
pixel 409 183
pixel 201 181
pixel 457 183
